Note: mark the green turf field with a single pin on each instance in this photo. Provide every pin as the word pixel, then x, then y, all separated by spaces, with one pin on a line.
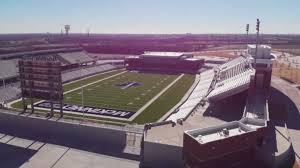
pixel 107 93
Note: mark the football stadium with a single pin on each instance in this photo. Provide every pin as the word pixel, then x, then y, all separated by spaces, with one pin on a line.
pixel 195 111
pixel 111 93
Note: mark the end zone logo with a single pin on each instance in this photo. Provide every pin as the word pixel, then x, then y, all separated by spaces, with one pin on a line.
pixel 88 110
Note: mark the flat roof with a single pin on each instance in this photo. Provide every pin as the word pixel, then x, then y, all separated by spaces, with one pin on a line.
pixel 210 134
pixel 162 54
pixel 173 135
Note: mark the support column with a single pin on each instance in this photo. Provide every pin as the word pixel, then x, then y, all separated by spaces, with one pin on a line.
pixel 32 105
pixel 24 105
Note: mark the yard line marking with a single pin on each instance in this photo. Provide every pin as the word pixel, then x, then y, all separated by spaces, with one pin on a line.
pixel 154 98
pixel 29 106
pixel 94 82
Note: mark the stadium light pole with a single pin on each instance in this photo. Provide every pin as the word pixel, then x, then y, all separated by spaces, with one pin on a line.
pixel 247 33
pixel 81 84
pixel 257 35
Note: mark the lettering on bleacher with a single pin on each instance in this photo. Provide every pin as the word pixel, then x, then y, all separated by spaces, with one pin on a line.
pixel 88 110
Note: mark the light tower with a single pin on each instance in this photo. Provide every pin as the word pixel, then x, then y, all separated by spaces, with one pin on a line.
pixel 67 29
pixel 257 34
pixel 247 33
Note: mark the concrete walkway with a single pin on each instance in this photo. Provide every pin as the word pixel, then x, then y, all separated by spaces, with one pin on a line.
pixel 18 152
pixel 293 118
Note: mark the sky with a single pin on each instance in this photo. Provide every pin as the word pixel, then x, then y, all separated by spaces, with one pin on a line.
pixel 149 16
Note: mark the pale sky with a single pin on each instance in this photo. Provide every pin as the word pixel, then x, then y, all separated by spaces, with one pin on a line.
pixel 149 16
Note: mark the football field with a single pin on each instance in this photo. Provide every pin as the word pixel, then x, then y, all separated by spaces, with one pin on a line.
pixel 120 96
pixel 127 91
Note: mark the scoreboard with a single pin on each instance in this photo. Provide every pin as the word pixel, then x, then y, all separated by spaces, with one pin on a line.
pixel 40 78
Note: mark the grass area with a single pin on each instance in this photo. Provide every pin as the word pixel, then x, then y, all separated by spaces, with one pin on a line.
pixel 166 101
pixel 73 85
pixel 107 94
pixel 286 72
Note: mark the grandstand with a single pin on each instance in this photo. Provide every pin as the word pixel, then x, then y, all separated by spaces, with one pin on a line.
pixel 215 84
pixel 198 93
pixel 75 58
pixel 38 52
pixel 231 86
pixel 232 142
pixel 164 62
pixel 9 93
pixel 8 71
pixel 71 75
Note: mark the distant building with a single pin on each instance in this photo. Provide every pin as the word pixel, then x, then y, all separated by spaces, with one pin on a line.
pixel 164 61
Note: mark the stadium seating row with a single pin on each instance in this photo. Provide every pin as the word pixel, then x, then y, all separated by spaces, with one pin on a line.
pixel 75 57
pixel 231 85
pixel 233 67
pixel 195 97
pixel 8 69
pixel 80 73
pixel 228 79
pixel 9 93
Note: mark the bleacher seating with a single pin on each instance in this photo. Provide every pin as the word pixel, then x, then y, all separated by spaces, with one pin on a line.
pixel 75 57
pixel 8 69
pixel 233 68
pixel 80 73
pixel 198 93
pixel 10 92
pixel 231 86
pixel 228 79
pixel 231 78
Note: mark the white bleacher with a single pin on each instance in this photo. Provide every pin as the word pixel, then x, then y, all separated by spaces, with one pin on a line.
pixel 9 93
pixel 76 57
pixel 233 77
pixel 233 67
pixel 8 69
pixel 231 86
pixel 199 92
pixel 80 73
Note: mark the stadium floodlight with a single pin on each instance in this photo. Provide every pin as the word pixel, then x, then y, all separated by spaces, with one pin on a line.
pixel 257 25
pixel 257 36
pixel 247 27
pixel 247 31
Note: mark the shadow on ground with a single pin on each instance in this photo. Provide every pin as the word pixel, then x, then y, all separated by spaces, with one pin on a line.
pixel 229 109
pixel 282 108
pixel 92 139
pixel 14 157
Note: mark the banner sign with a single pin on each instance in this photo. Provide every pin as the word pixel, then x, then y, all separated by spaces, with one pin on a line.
pixel 87 109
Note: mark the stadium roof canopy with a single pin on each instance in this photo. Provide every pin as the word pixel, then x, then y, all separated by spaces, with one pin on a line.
pixel 166 54
pixel 153 54
pixel 75 57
